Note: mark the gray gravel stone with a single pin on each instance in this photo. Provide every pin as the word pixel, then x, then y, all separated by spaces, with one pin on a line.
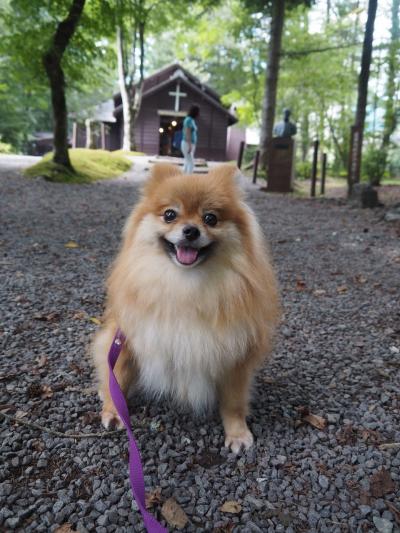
pixel 383 525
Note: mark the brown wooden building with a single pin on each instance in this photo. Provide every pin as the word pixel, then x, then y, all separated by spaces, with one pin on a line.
pixel 167 97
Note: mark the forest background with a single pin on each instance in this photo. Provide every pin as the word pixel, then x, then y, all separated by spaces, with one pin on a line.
pixel 226 45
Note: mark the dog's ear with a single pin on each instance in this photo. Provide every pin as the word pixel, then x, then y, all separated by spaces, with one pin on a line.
pixel 227 173
pixel 159 173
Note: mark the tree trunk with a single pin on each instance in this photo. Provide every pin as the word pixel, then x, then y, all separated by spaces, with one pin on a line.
pixel 305 136
pixel 89 134
pixel 271 80
pixel 390 122
pixel 52 64
pixel 358 128
pixel 131 94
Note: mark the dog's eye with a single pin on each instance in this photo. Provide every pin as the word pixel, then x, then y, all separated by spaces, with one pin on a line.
pixel 169 215
pixel 210 219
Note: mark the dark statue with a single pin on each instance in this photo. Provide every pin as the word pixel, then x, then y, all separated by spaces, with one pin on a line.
pixel 285 128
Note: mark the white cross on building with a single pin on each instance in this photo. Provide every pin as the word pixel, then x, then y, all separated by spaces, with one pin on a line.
pixel 177 93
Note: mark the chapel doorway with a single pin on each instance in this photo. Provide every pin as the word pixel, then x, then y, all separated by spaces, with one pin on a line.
pixel 170 135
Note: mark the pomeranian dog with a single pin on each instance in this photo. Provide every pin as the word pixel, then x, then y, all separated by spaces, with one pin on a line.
pixel 194 292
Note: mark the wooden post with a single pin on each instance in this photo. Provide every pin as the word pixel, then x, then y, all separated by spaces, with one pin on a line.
pixel 323 174
pixel 103 135
pixel 255 167
pixel 353 175
pixel 314 168
pixel 240 156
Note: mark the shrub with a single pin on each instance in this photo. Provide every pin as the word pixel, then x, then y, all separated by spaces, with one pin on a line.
pixel 303 170
pixel 374 161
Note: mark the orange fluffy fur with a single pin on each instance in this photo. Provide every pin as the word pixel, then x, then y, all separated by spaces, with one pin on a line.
pixel 196 333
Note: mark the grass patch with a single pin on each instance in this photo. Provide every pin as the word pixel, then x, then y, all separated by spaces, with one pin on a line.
pixel 127 152
pixel 89 165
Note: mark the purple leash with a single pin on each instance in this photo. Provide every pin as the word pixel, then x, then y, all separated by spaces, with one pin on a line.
pixel 135 464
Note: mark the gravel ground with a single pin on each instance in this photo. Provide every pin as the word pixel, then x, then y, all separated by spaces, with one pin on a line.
pixel 337 356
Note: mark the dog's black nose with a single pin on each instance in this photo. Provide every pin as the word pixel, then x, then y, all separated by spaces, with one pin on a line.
pixel 191 232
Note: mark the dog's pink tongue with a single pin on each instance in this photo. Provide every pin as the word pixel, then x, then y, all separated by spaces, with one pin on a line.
pixel 185 255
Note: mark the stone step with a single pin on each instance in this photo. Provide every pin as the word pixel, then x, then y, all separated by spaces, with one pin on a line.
pixel 177 161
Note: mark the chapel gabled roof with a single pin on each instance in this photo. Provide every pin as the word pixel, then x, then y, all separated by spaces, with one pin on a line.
pixel 165 75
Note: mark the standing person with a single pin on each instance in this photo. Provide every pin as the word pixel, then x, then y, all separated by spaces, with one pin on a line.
pixel 189 139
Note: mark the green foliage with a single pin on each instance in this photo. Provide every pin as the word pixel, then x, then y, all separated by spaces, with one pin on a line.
pixel 5 148
pixel 26 29
pixel 303 170
pixel 89 165
pixel 394 162
pixel 374 163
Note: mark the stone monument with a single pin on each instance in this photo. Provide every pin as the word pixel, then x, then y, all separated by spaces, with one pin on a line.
pixel 281 156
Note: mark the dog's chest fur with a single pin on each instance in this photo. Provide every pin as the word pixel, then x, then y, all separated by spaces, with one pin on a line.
pixel 184 357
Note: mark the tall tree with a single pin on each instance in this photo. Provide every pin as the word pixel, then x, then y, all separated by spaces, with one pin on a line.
pixel 131 21
pixel 55 73
pixel 358 127
pixel 393 64
pixel 271 79
pixel 136 20
pixel 276 10
pixel 37 32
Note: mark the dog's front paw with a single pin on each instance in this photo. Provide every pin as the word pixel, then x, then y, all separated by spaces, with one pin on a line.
pixel 236 441
pixel 111 420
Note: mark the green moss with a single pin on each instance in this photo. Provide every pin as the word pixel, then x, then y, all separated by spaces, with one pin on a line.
pixel 88 165
pixel 127 152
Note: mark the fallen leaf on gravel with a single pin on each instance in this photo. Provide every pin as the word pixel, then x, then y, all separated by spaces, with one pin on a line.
pixel 231 507
pixel 303 410
pixel 20 414
pixel 360 279
pixel 153 497
pixel 88 391
pixel 49 317
pixel 347 435
pixel 319 292
pixel 41 361
pixel 95 320
pixel 226 528
pixel 34 390
pixel 76 368
pixel 381 483
pixel 64 528
pixel 365 497
pixel 174 514
pixel 71 244
pixel 89 417
pixel 6 408
pixel 316 421
pixel 10 375
pixel 209 459
pixel 394 510
pixel 38 445
pixel 79 315
pixel 300 285
pixel 341 289
pixel 371 436
pixel 47 392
